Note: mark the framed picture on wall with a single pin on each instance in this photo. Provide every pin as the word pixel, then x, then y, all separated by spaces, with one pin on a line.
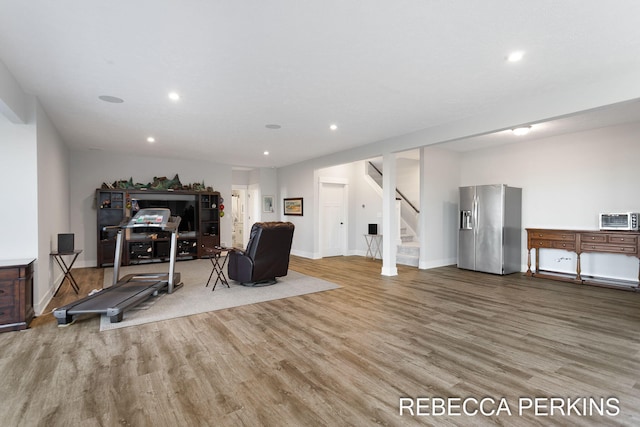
pixel 293 206
pixel 267 204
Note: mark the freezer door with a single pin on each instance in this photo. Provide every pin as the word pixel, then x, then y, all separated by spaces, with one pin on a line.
pixel 466 228
pixel 489 222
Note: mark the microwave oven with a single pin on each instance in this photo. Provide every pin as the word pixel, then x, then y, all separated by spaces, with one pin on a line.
pixel 619 221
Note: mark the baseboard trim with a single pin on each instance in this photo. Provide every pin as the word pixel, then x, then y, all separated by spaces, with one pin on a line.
pixel 425 265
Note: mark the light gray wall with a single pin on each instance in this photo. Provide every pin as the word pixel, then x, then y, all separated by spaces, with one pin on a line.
pixel 240 177
pixel 298 181
pixel 53 206
pixel 89 169
pixel 408 179
pixel 267 180
pixel 365 208
pixel 14 104
pixel 19 190
pixel 440 209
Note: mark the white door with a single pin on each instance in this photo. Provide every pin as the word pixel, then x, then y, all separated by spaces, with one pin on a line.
pixel 333 233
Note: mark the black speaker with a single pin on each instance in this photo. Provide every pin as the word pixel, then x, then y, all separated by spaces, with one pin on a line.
pixel 65 243
pixel 373 228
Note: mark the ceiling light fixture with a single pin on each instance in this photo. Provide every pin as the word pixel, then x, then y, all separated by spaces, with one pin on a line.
pixel 174 96
pixel 112 99
pixel 515 56
pixel 333 127
pixel 151 139
pixel 266 153
pixel 273 126
pixel 523 130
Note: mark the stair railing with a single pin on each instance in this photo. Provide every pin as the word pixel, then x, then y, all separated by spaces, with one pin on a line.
pixel 402 196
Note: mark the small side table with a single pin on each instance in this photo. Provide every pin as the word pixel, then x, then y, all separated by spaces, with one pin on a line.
pixel 218 258
pixel 66 269
pixel 374 244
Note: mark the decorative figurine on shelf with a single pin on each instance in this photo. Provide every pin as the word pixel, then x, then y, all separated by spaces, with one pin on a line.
pixel 105 204
pixel 159 183
pixel 162 183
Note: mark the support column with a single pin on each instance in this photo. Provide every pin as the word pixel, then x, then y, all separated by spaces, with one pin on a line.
pixel 389 216
pixel 422 218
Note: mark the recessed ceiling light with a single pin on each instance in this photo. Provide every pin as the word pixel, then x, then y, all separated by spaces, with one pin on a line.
pixel 151 139
pixel 174 96
pixel 273 126
pixel 333 127
pixel 523 130
pixel 266 153
pixel 515 56
pixel 112 99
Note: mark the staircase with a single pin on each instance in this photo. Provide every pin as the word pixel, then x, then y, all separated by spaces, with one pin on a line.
pixel 408 252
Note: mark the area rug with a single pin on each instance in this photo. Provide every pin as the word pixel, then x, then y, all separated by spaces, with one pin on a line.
pixel 194 297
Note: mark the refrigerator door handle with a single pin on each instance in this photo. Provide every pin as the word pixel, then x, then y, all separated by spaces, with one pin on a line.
pixel 475 212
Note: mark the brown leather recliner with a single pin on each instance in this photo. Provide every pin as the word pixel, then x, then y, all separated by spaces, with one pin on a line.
pixel 266 256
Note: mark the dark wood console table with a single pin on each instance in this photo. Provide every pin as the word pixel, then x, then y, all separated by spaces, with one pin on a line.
pixel 581 241
pixel 16 294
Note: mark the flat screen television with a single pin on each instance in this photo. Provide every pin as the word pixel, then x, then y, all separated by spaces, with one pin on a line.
pixel 182 205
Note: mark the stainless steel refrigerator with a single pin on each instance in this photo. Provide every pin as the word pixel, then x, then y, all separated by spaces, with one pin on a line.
pixel 490 232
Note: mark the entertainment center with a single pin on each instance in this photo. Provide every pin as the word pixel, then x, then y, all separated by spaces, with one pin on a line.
pixel 199 229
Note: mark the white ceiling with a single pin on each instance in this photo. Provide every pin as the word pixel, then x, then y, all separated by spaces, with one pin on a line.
pixel 377 69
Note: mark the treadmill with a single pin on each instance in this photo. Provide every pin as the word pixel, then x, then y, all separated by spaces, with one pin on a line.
pixel 130 290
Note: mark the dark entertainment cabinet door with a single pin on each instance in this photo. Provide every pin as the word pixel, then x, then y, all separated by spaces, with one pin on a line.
pixel 111 205
pixel 208 223
pixel 16 294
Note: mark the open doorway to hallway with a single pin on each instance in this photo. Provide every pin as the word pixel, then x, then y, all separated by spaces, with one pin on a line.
pixel 239 217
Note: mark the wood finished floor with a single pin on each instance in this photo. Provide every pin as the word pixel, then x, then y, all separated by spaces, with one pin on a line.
pixel 336 358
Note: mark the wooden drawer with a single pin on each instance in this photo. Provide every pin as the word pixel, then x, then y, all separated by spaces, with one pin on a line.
pixel 553 244
pixel 625 240
pixel 616 249
pixel 9 273
pixel 7 292
pixel 538 243
pixel 6 298
pixel 7 313
pixel 7 287
pixel 553 235
pixel 594 238
pixel 569 246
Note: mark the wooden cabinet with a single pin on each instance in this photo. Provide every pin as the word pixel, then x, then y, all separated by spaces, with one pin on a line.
pixel 199 228
pixel 112 209
pixel 16 294
pixel 611 242
pixel 208 223
pixel 580 241
pixel 552 239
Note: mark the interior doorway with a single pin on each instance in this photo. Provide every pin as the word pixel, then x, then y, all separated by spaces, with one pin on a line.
pixel 239 217
pixel 333 218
